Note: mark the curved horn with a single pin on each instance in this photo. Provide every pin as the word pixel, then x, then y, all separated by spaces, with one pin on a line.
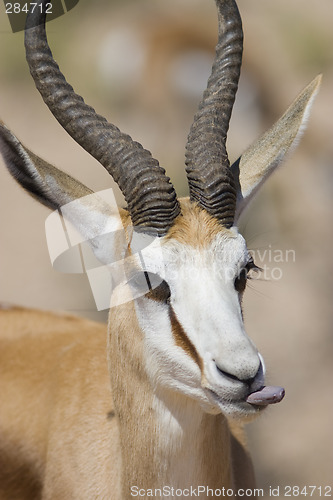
pixel 149 194
pixel 208 170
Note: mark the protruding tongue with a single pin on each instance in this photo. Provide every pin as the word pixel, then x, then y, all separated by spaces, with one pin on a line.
pixel 266 396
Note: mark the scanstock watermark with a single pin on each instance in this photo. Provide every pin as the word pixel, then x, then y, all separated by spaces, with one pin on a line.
pixel 17 11
pixel 195 492
pixel 286 491
pixel 126 271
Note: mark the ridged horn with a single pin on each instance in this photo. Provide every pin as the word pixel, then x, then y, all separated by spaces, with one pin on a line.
pixel 209 176
pixel 150 197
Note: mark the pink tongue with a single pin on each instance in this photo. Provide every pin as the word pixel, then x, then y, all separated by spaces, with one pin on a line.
pixel 266 396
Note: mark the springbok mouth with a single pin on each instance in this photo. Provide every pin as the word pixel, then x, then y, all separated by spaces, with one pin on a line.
pixel 267 395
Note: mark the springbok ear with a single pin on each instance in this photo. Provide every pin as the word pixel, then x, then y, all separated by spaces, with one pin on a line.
pixel 92 215
pixel 46 183
pixel 255 165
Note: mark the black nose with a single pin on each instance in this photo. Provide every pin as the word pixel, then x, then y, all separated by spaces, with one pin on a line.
pixel 254 383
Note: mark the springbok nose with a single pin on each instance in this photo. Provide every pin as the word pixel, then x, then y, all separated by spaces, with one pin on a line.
pixel 254 382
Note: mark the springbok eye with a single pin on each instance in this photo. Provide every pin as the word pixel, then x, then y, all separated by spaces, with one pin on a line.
pixel 241 279
pixel 151 285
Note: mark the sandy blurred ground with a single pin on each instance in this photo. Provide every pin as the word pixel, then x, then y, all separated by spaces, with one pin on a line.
pixel 144 65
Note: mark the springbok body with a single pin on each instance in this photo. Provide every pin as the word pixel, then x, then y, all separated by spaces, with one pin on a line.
pixel 184 375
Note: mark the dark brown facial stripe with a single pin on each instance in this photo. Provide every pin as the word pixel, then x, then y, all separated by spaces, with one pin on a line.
pixel 182 340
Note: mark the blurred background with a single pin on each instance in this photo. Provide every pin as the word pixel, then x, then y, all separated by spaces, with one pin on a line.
pixel 144 64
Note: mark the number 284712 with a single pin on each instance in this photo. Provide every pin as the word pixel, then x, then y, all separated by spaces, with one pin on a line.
pixel 18 8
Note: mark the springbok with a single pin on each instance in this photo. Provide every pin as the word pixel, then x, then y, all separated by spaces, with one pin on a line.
pixel 183 374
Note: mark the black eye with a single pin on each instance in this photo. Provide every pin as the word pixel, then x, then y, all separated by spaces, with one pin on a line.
pixel 240 281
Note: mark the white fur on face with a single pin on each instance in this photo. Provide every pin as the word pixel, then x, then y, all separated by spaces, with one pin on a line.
pixel 207 307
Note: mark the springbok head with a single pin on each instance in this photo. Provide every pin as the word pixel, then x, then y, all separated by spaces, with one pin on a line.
pixel 197 265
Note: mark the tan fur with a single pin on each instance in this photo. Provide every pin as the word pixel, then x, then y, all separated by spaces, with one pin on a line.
pixel 55 397
pixel 195 227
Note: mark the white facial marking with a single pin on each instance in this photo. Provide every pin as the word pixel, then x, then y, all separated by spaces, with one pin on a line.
pixel 206 307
